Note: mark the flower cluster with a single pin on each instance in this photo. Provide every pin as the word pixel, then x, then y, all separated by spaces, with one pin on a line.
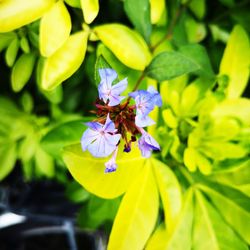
pixel 116 120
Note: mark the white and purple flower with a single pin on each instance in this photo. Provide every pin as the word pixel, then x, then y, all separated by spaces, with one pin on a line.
pixel 102 137
pixel 108 92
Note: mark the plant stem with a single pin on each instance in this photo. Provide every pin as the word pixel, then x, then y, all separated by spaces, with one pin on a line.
pixel 170 30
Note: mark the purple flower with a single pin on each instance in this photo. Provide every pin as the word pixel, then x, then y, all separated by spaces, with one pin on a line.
pixel 110 93
pixel 100 139
pixel 147 143
pixel 111 165
pixel 145 102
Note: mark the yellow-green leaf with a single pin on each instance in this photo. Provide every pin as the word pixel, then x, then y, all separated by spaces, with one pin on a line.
pixel 89 171
pixel 157 9
pixel 127 45
pixel 180 237
pixel 55 28
pixel 11 52
pixel 235 62
pixel 210 230
pixel 65 61
pixel 170 192
pixel 169 118
pixel 17 13
pixel 22 71
pixel 90 10
pixel 158 240
pixel 137 214
pixel 190 159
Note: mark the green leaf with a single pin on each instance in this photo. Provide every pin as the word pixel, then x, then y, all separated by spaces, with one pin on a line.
pixel 5 39
pixel 11 52
pixel 65 61
pixel 235 213
pixel 138 13
pixel 170 192
pixel 101 63
pixel 198 54
pixel 55 29
pixel 22 71
pixel 7 158
pixel 76 192
pixel 126 44
pixel 44 163
pixel 235 62
pixel 74 3
pixel 198 7
pixel 196 31
pixel 141 203
pixel 158 9
pixel 24 45
pixel 180 238
pixel 168 65
pixel 89 171
pixel 63 135
pixel 210 230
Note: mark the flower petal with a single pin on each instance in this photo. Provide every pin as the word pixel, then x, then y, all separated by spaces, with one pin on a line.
pixel 118 88
pixel 143 121
pixel 94 125
pixel 107 76
pixel 109 125
pixel 88 137
pixel 115 100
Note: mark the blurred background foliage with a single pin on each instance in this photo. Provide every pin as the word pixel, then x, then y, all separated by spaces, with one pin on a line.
pixel 49 55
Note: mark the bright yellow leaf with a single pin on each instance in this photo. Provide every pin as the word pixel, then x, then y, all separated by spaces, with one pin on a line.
pixel 17 13
pixel 90 10
pixel 89 171
pixel 127 45
pixel 65 61
pixel 137 214
pixel 157 8
pixel 235 62
pixel 55 28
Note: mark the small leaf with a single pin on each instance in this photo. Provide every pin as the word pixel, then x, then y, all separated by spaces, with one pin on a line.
pixel 24 44
pixel 235 62
pixel 5 39
pixel 11 52
pixel 141 203
pixel 198 7
pixel 65 61
pixel 7 158
pixel 55 28
pixel 127 45
pixel 22 71
pixel 74 3
pixel 44 163
pixel 90 10
pixel 210 231
pixel 234 213
pixel 168 65
pixel 169 118
pixel 170 192
pixel 196 31
pixel 139 14
pixel 15 14
pixel 89 171
pixel 157 10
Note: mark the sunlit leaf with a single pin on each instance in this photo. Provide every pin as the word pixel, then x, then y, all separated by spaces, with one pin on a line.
pixel 234 208
pixel 15 14
pixel 74 3
pixel 170 192
pixel 90 10
pixel 55 28
pixel 180 238
pixel 65 61
pixel 235 62
pixel 5 39
pixel 141 203
pixel 22 71
pixel 158 240
pixel 210 230
pixel 157 9
pixel 127 45
pixel 7 158
pixel 89 171
pixel 139 14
